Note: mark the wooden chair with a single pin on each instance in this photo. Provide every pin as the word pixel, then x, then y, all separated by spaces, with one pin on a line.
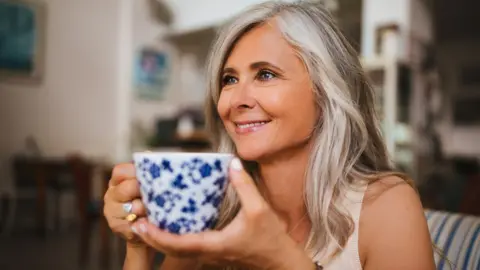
pixel 37 180
pixel 89 210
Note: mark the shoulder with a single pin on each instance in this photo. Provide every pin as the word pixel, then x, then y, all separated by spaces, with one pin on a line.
pixel 393 228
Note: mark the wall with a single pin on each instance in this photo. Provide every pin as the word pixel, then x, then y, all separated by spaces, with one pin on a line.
pixel 150 30
pixel 145 31
pixel 75 107
pixel 194 14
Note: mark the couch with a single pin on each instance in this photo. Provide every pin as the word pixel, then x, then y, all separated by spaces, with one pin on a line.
pixel 457 236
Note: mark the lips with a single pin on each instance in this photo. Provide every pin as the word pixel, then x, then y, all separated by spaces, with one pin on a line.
pixel 245 127
pixel 251 124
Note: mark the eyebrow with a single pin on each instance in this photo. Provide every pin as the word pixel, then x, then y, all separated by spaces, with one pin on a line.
pixel 254 66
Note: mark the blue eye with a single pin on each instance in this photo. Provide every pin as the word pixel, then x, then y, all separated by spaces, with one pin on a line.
pixel 265 75
pixel 228 80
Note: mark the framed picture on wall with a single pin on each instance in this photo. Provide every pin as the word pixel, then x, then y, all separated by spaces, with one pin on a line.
pixel 151 74
pixel 22 40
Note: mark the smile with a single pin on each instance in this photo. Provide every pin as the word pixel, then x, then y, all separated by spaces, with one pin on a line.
pixel 249 127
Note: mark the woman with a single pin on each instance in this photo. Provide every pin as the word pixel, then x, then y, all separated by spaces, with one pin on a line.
pixel 288 96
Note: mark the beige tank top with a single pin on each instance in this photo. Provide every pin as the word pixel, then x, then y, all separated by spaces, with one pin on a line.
pixel 349 257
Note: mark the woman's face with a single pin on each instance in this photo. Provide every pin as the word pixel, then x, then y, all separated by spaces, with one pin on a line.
pixel 266 102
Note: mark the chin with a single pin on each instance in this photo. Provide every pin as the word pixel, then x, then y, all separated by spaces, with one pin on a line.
pixel 252 153
pixel 248 156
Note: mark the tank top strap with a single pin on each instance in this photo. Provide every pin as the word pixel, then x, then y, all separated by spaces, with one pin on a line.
pixel 349 257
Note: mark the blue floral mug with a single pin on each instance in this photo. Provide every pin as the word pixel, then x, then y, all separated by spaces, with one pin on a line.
pixel 182 191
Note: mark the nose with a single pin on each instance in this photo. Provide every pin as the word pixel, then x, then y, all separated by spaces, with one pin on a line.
pixel 242 97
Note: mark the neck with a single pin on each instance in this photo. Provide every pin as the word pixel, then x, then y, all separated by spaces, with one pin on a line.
pixel 283 182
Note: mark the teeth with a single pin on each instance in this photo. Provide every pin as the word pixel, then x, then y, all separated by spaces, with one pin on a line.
pixel 252 125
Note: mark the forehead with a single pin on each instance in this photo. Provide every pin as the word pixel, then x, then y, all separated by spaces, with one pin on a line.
pixel 263 43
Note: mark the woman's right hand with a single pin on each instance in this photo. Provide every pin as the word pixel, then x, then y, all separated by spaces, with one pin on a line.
pixel 122 199
pixel 124 189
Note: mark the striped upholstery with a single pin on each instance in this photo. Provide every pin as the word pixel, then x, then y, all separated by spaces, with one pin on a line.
pixel 458 237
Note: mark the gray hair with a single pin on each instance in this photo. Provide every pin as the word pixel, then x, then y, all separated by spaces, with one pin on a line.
pixel 348 146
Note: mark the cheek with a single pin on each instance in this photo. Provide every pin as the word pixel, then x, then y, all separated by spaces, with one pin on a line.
pixel 310 112
pixel 302 111
pixel 223 106
pixel 274 103
pixel 303 119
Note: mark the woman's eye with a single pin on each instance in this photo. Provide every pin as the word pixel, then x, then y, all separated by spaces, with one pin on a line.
pixel 265 75
pixel 228 80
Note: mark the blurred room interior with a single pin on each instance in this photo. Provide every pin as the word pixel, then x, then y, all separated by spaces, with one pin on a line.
pixel 108 78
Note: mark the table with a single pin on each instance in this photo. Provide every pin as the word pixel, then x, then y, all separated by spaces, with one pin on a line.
pixel 81 171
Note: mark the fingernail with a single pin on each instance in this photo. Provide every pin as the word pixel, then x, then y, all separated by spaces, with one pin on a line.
pixel 143 228
pixel 127 207
pixel 127 171
pixel 236 164
pixel 134 230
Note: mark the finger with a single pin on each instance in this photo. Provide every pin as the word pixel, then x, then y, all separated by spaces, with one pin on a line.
pixel 122 172
pixel 192 244
pixel 246 189
pixel 122 210
pixel 123 229
pixel 140 230
pixel 126 191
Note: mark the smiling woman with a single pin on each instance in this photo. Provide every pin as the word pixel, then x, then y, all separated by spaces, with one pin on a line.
pixel 266 89
pixel 313 183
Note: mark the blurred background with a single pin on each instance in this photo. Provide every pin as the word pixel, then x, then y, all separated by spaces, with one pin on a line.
pixel 83 84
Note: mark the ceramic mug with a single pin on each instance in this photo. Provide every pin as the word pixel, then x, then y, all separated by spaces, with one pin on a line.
pixel 182 192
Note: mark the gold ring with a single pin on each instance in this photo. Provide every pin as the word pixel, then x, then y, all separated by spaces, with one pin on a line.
pixel 131 217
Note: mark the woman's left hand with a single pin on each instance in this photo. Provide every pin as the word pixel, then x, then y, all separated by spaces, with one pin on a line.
pixel 256 238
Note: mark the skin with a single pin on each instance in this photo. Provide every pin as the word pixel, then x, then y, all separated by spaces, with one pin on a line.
pixel 278 90
pixel 123 188
pixel 264 80
pixel 386 243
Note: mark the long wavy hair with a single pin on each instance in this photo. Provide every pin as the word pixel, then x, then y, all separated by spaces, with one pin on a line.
pixel 348 148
